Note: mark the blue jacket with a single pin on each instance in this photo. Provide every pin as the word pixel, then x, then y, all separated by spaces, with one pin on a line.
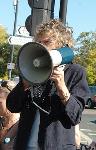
pixel 56 130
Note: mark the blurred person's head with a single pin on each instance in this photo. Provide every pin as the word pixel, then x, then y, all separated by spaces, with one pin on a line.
pixel 7 119
pixel 54 34
pixel 3 95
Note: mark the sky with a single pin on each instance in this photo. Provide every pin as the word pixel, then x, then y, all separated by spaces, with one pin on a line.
pixel 81 15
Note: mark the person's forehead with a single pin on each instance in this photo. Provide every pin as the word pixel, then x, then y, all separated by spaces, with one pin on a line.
pixel 2 94
pixel 45 34
pixel 45 38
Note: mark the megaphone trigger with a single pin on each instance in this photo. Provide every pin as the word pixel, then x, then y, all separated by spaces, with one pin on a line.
pixel 62 66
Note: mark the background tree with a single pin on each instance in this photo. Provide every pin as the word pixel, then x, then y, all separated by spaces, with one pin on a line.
pixel 3 35
pixel 86 54
pixel 5 53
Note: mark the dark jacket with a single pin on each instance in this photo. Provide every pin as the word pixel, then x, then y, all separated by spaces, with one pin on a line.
pixel 56 130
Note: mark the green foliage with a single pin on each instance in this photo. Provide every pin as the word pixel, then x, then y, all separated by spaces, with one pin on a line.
pixel 5 54
pixel 3 35
pixel 86 56
pixel 4 51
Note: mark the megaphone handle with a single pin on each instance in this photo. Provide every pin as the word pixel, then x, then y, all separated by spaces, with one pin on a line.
pixel 44 95
pixel 48 88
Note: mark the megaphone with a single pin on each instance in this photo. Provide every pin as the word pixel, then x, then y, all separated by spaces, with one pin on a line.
pixel 35 63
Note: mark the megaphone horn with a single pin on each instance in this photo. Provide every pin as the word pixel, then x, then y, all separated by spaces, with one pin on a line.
pixel 35 63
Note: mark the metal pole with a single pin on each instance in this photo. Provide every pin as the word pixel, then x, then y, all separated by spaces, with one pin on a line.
pixel 52 9
pixel 15 4
pixel 63 11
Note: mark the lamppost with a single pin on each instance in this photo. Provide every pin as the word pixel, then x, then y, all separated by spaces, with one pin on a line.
pixel 63 10
pixel 15 4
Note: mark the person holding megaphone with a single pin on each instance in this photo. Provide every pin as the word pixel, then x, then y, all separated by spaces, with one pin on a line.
pixel 52 100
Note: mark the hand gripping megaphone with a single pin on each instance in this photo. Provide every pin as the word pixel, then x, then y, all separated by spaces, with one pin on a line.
pixel 35 63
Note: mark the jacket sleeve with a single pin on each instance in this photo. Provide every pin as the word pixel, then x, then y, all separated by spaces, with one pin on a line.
pixel 15 99
pixel 79 91
pixel 79 94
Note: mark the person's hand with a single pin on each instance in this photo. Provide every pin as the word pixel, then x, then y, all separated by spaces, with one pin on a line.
pixel 58 77
pixel 93 145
